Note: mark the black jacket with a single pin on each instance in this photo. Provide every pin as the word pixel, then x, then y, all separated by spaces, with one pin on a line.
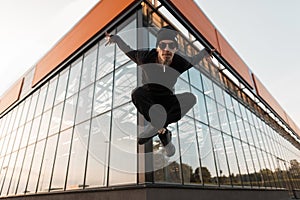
pixel 157 77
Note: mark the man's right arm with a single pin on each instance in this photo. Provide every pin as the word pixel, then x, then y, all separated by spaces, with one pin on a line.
pixel 135 55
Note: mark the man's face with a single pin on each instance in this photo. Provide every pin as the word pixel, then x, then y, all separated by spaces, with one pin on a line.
pixel 166 50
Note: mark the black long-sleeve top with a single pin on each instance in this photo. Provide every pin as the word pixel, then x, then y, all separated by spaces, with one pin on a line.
pixel 157 77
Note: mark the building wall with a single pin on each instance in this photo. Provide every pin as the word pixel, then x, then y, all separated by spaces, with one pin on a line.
pixel 77 130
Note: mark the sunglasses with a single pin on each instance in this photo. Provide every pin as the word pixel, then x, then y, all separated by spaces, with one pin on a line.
pixel 163 45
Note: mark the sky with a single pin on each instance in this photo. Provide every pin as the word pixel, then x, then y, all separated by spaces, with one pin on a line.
pixel 265 33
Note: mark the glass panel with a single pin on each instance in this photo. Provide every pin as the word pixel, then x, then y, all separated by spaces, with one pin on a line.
pixel 61 160
pixel 35 168
pixel 41 101
pixel 98 151
pixel 242 162
pixel 228 101
pixel 16 172
pixel 50 94
pixel 18 117
pixel 233 125
pixel 32 107
pixel 4 169
pixel 250 164
pixel 207 86
pixel 105 59
pixel 223 119
pixel 103 95
pixel 26 133
pixel 46 170
pixel 123 156
pixel 55 119
pixel 61 86
pixel 220 156
pixel 236 107
pixel 167 169
pixel 128 34
pixel 74 80
pixel 69 112
pixel 44 125
pixel 212 113
pixel 232 161
pixel 219 94
pixel 34 130
pixel 84 105
pixel 195 78
pixel 18 138
pixel 76 170
pixel 208 168
pixel 181 87
pixel 200 109
pixel 189 152
pixel 89 67
pixel 125 82
pixel 25 170
pixel 8 175
pixel 241 128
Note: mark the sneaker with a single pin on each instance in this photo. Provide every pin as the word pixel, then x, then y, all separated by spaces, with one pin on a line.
pixel 148 133
pixel 165 139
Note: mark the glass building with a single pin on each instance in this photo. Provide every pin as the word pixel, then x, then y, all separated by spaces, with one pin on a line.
pixel 68 127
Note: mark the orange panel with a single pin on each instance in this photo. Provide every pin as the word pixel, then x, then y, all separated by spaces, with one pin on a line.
pixel 11 96
pixel 264 93
pixel 103 13
pixel 197 18
pixel 292 124
pixel 228 53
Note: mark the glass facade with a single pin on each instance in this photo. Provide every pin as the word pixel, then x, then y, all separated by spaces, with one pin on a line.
pixel 79 129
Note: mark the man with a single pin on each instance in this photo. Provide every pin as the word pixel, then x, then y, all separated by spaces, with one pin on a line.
pixel 155 99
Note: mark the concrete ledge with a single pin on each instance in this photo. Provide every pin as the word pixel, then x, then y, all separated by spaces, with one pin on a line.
pixel 160 193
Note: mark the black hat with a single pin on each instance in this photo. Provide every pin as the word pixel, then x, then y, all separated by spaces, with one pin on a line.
pixel 166 33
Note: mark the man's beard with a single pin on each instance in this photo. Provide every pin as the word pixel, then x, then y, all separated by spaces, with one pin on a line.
pixel 166 61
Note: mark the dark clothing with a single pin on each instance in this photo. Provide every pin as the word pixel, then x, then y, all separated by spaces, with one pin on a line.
pixel 158 83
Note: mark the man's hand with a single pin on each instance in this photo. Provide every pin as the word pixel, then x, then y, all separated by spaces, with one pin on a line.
pixel 108 38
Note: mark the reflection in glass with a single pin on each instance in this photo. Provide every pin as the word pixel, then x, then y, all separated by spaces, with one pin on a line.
pixel 35 168
pixel 220 156
pixel 105 59
pixel 103 95
pixel 207 86
pixel 208 170
pixel 74 80
pixel 195 78
pixel 189 152
pixel 55 119
pixel 123 155
pixel 8 175
pixel 61 160
pixel 47 164
pixel 167 169
pixel 98 151
pixel 128 34
pixel 50 93
pixel 125 82
pixel 69 112
pixel 212 113
pixel 200 109
pixel 89 67
pixel 16 172
pixel 242 163
pixel 84 105
pixel 44 125
pixel 76 170
pixel 232 161
pixel 61 86
pixel 25 170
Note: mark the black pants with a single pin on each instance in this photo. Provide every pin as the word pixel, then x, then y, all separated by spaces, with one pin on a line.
pixel 162 109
